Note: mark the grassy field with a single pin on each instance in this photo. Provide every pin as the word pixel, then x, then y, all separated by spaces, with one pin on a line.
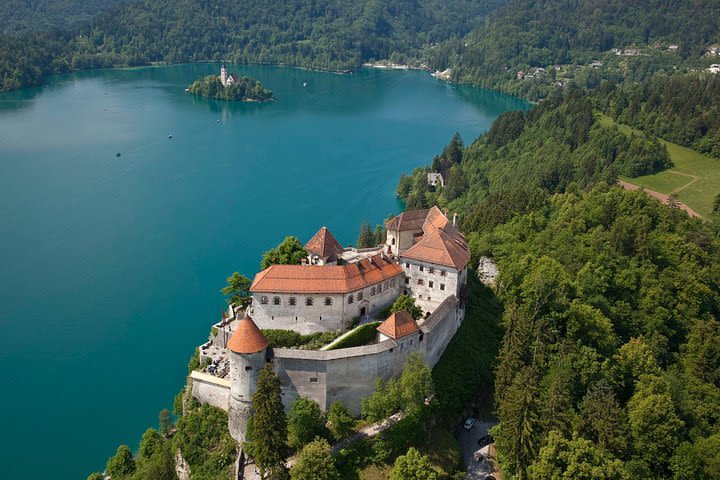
pixel 694 177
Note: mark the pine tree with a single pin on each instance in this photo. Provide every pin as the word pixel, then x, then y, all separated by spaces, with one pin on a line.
pixel 122 464
pixel 366 238
pixel 269 424
pixel 305 422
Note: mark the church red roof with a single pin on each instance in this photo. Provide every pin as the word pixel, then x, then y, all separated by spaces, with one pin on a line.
pixel 398 325
pixel 324 244
pixel 247 338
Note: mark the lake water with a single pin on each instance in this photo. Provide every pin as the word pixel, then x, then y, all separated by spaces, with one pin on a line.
pixel 110 267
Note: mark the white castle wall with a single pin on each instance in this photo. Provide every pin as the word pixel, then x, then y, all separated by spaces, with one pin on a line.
pixel 320 317
pixel 349 374
pixel 431 274
pixel 210 389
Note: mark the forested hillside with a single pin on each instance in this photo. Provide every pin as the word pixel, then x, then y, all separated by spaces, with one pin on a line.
pixel 35 15
pixel 324 34
pixel 610 365
pixel 527 156
pixel 680 108
pixel 525 34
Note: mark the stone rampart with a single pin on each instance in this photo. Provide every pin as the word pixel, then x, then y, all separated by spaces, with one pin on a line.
pixel 349 374
pixel 209 389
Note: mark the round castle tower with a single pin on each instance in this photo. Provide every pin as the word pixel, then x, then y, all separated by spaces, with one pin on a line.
pixel 248 351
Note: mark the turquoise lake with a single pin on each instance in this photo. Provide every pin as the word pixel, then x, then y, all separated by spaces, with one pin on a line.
pixel 111 266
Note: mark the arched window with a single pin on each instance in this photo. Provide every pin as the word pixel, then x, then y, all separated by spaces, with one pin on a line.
pixel 276 300
pixel 372 291
pixel 393 241
pixel 292 301
pixel 309 301
pixel 263 300
pixel 360 296
pixel 351 299
pixel 328 301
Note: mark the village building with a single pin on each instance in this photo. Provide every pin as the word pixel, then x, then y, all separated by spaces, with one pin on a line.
pixel 674 48
pixel 714 68
pixel 434 179
pixel 713 50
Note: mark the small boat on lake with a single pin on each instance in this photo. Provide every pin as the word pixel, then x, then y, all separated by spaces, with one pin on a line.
pixel 117 154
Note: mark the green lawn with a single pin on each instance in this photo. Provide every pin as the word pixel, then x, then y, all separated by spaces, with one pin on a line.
pixel 687 165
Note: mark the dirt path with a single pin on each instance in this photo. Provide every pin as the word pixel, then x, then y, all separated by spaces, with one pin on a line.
pixel 666 199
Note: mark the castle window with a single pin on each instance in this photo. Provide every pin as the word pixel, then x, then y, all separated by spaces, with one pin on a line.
pixel 263 300
pixel 442 286
pixel 420 281
pixel 328 301
pixel 407 264
pixel 420 297
pixel 443 273
pixel 430 284
pixel 422 268
pixel 407 281
pixel 372 291
pixel 248 368
pixel 421 337
pixel 386 286
pixel 351 299
pixel 393 241
pixel 360 295
pixel 276 300
pixel 313 379
pixel 309 301
pixel 429 299
pixel 431 270
pixel 292 301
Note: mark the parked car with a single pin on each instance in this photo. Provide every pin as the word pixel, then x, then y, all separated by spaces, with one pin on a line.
pixel 485 440
pixel 469 423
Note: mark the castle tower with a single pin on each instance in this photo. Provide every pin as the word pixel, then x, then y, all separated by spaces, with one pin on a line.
pixel 223 75
pixel 248 348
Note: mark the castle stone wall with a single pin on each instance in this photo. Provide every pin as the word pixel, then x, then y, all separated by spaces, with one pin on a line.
pixel 435 287
pixel 349 374
pixel 209 389
pixel 320 317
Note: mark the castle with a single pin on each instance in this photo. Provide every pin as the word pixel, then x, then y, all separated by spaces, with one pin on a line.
pixel 425 256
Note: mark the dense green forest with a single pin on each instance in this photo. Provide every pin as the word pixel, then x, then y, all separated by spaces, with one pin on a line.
pixel 609 365
pixel 323 34
pixel 527 156
pixel 243 89
pixel 33 15
pixel 680 108
pixel 571 34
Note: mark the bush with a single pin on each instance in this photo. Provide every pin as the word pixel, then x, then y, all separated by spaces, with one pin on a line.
pixel 362 335
pixel 305 421
pixel 292 339
pixel 315 462
pixel 341 421
pixel 122 465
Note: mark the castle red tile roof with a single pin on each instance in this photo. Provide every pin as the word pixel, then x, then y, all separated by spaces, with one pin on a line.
pixel 443 247
pixel 408 220
pixel 324 244
pixel 345 278
pixel 398 325
pixel 247 338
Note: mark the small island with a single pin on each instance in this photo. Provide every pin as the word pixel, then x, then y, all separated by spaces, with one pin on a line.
pixel 230 87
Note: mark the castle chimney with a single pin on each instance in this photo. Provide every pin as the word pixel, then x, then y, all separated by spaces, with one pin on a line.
pixel 455 219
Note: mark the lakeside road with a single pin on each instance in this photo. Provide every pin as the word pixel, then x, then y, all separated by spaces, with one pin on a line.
pixel 666 199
